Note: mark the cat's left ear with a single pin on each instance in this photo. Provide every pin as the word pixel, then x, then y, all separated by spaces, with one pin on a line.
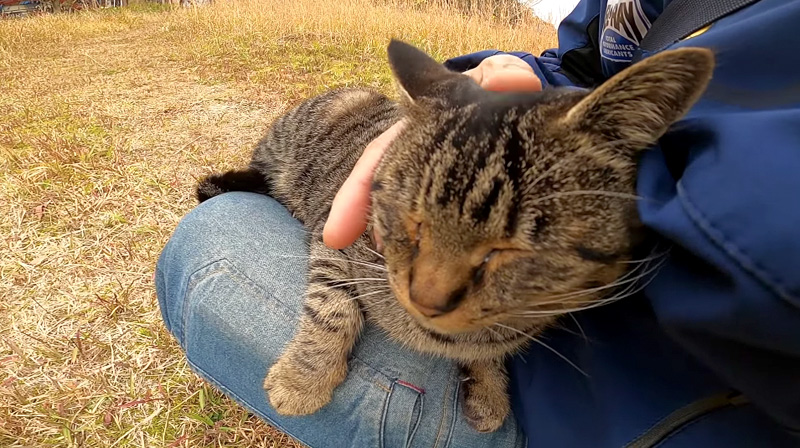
pixel 425 82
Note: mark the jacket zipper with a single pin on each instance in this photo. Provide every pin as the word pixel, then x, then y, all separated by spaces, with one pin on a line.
pixel 681 417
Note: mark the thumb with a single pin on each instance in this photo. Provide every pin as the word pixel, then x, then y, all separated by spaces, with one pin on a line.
pixel 511 79
pixel 503 73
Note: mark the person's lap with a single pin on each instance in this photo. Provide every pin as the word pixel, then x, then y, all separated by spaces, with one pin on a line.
pixel 230 284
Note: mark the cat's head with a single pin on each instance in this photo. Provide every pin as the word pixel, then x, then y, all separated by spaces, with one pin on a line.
pixel 510 207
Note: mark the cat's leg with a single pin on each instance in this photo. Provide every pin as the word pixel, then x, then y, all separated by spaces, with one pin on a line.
pixel 315 361
pixel 485 393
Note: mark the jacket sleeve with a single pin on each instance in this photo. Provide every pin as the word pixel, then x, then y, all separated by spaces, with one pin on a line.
pixel 576 62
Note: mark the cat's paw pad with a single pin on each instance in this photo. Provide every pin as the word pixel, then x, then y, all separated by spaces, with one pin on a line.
pixel 293 392
pixel 485 409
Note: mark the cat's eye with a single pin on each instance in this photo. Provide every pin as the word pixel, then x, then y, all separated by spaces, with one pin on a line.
pixel 477 276
pixel 417 239
pixel 377 241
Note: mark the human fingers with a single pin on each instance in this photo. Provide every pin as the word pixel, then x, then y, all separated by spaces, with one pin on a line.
pixel 349 211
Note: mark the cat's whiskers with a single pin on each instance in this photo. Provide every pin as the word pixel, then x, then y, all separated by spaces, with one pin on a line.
pixel 632 275
pixel 632 284
pixel 377 302
pixel 561 327
pixel 496 333
pixel 538 341
pixel 622 295
pixel 372 293
pixel 343 260
pixel 580 328
pixel 373 279
pixel 561 298
pixel 375 253
pixel 375 286
pixel 647 271
pixel 565 300
pixel 315 287
pixel 319 235
pixel 379 267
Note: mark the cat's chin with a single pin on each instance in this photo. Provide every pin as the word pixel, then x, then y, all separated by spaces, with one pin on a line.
pixel 451 326
pixel 457 322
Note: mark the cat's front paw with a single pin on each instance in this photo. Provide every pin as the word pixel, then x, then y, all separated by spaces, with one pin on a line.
pixel 293 391
pixel 485 405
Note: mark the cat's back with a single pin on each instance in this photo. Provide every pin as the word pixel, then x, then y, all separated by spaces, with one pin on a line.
pixel 309 151
pixel 336 109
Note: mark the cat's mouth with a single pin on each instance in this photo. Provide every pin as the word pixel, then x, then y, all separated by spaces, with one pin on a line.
pixel 462 319
pixel 450 324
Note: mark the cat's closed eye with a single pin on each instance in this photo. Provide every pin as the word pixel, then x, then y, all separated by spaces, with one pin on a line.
pixel 416 238
pixel 477 276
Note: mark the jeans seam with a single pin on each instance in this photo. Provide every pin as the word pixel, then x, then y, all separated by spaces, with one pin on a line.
pixel 382 431
pixel 190 285
pixel 421 398
pixel 455 413
pixel 387 389
pixel 441 418
pixel 231 268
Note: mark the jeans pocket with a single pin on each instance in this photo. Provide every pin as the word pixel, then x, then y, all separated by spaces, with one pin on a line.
pixel 402 415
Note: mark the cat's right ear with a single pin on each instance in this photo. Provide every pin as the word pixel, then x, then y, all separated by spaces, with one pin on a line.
pixel 424 82
pixel 636 107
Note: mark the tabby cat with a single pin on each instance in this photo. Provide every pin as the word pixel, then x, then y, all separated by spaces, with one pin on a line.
pixel 496 213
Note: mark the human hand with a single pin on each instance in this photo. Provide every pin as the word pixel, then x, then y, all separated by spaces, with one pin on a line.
pixel 349 211
pixel 505 73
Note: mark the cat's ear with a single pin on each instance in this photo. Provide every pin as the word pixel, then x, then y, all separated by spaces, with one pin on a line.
pixel 420 79
pixel 636 107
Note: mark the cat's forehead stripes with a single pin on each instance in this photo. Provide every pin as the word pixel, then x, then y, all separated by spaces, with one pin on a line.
pixel 479 160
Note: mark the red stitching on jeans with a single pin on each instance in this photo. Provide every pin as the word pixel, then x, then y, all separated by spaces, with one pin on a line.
pixel 411 386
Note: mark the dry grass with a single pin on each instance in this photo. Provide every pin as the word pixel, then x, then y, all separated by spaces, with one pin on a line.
pixel 106 120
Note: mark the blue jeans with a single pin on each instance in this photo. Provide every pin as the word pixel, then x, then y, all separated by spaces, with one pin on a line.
pixel 230 284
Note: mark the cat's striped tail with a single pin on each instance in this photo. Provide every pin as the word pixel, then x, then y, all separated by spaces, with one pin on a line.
pixel 235 180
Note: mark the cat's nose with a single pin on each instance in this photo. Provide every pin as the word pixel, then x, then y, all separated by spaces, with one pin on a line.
pixel 433 302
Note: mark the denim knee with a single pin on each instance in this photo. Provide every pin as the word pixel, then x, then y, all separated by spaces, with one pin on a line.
pixel 231 282
pixel 238 227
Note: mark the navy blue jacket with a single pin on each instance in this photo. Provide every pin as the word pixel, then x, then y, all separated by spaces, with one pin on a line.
pixel 709 353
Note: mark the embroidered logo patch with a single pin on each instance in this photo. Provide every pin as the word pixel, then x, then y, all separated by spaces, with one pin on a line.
pixel 624 28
